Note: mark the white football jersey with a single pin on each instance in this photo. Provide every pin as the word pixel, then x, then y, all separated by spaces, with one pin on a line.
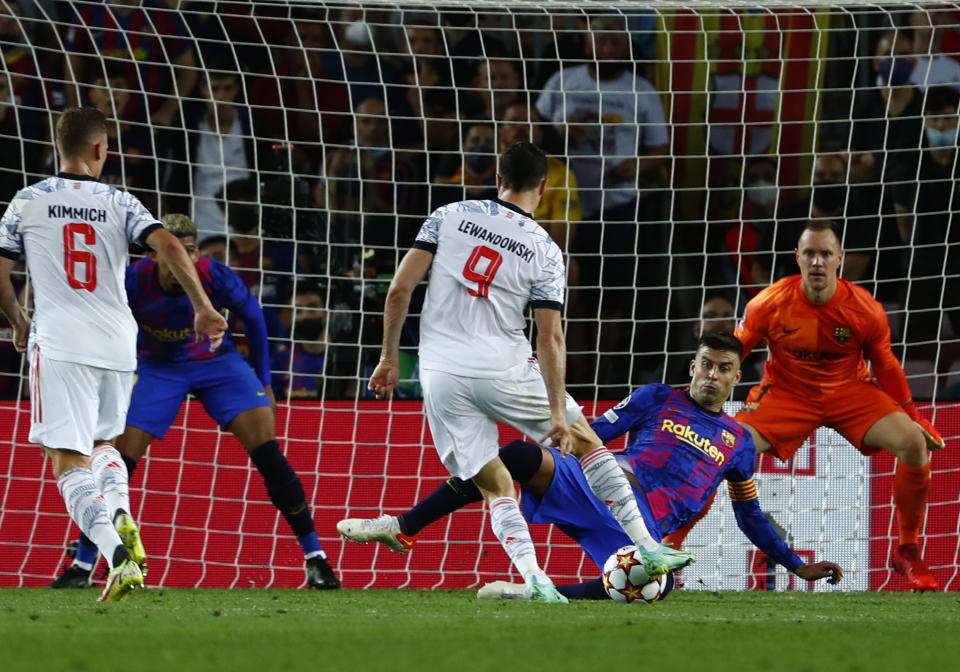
pixel 75 232
pixel 491 260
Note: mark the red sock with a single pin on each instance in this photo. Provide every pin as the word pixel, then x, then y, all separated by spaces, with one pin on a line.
pixel 675 539
pixel 911 486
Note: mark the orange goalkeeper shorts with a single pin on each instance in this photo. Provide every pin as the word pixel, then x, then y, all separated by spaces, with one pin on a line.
pixel 786 419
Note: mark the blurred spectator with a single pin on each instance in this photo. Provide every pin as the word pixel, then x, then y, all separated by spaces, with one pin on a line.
pixel 429 92
pixel 295 98
pixel 478 172
pixel 357 62
pixel 614 123
pixel 219 146
pixel 933 67
pixel 497 85
pixel 617 141
pixel 830 199
pixel 559 209
pixel 374 192
pixel 740 241
pixel 214 247
pixel 12 154
pixel 150 39
pixel 130 162
pixel 265 265
pixel 298 364
pixel 887 129
pixel 926 195
pixel 28 84
pixel 716 314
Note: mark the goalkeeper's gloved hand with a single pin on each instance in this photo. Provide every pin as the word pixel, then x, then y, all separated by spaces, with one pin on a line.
pixel 930 433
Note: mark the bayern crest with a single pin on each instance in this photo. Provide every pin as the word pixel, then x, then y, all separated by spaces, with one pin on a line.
pixel 841 334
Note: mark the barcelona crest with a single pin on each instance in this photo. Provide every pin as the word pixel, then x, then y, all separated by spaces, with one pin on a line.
pixel 727 438
pixel 841 334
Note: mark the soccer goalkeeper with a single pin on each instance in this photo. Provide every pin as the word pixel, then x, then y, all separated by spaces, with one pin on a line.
pixel 171 363
pixel 681 446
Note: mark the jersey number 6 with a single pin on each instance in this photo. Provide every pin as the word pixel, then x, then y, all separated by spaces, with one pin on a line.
pixel 72 257
pixel 472 270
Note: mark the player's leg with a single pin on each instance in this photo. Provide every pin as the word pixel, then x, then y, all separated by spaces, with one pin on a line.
pixel 892 430
pixel 466 441
pixel 234 397
pixel 528 464
pixel 509 526
pixel 521 401
pixel 65 417
pixel 157 395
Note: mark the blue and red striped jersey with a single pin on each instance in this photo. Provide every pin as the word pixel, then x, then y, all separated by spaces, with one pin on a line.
pixel 166 322
pixel 678 450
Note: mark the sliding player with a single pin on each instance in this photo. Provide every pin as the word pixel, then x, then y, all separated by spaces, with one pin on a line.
pixel 75 232
pixel 171 364
pixel 681 446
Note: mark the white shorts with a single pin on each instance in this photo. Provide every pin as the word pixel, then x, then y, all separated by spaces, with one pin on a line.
pixel 72 405
pixel 463 413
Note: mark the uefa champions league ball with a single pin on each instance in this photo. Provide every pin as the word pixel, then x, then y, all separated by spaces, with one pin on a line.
pixel 626 580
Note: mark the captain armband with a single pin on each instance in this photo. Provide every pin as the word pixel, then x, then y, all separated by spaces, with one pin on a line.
pixel 743 491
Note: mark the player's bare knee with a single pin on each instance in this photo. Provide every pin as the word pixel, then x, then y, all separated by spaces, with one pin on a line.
pixel 584 438
pixel 913 448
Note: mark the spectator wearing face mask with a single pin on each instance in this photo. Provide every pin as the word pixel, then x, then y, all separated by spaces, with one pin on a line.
pixel 887 127
pixel 926 198
pixel 298 364
pixel 830 199
pixel 477 174
pixel 760 197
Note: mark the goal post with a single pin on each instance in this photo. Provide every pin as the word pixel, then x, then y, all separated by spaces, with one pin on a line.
pixel 309 140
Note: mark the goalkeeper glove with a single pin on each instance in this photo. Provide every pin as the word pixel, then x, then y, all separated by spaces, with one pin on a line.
pixel 930 433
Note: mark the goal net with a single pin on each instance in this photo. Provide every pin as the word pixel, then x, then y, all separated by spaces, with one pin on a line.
pixel 309 140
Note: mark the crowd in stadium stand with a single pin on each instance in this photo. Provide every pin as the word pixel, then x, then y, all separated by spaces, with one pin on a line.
pixel 309 144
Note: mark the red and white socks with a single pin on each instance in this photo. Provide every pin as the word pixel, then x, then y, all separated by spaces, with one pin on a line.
pixel 610 485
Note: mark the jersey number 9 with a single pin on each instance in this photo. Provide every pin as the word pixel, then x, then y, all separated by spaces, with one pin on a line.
pixel 73 257
pixel 483 278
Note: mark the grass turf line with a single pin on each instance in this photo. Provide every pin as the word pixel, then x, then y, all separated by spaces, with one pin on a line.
pixel 398 630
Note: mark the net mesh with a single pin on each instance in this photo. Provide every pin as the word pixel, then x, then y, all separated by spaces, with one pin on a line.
pixel 310 140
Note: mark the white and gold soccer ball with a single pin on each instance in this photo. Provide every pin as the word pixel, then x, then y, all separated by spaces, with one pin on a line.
pixel 626 580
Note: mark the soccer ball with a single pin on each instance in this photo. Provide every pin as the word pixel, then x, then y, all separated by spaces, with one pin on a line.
pixel 626 580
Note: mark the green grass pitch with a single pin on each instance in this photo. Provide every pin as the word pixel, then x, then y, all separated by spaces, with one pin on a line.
pixel 398 630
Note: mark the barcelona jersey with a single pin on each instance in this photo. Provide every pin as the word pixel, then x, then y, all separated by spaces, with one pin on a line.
pixel 166 322
pixel 677 450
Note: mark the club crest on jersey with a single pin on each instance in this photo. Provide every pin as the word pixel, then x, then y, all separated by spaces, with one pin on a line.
pixel 750 407
pixel 728 439
pixel 841 334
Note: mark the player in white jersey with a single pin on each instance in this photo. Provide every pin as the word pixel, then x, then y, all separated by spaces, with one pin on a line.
pixel 75 233
pixel 489 260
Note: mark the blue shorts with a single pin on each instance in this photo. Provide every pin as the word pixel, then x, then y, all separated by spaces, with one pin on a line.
pixel 570 504
pixel 225 385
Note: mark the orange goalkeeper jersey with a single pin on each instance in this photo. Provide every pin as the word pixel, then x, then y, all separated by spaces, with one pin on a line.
pixel 819 348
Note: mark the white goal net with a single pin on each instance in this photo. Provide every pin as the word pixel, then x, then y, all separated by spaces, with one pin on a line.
pixel 309 140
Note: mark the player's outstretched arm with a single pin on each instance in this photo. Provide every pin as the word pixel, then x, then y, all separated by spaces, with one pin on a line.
pixel 11 308
pixel 552 356
pixel 412 270
pixel 207 321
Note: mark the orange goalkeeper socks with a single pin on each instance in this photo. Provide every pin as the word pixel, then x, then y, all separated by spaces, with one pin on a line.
pixel 911 487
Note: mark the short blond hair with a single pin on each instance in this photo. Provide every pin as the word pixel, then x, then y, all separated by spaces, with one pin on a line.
pixel 179 225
